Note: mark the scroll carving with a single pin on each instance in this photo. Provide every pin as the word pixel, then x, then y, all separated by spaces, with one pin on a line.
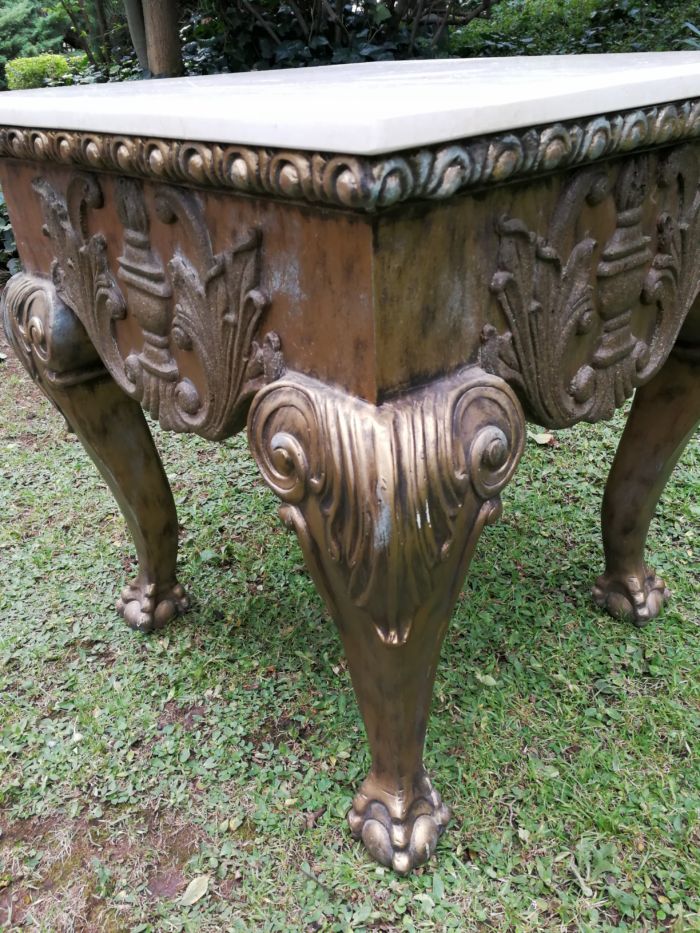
pixel 580 303
pixel 387 501
pixel 57 352
pixel 206 304
pixel 362 183
pixel 46 336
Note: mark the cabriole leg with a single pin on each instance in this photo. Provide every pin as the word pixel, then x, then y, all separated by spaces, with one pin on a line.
pixel 55 350
pixel 388 503
pixel 664 415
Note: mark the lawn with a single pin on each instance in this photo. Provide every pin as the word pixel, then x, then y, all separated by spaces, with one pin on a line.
pixel 227 747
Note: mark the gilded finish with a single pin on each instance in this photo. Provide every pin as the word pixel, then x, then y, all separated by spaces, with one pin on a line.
pixel 563 292
pixel 210 306
pixel 664 416
pixel 558 298
pixel 58 354
pixel 362 183
pixel 388 503
pixel 46 336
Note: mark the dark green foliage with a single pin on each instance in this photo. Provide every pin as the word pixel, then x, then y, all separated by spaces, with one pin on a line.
pixel 692 38
pixel 95 27
pixel 546 27
pixel 9 260
pixel 22 73
pixel 123 67
pixel 221 36
pixel 27 29
pixel 79 70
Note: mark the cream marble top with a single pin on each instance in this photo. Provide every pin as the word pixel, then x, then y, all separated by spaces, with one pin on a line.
pixel 364 109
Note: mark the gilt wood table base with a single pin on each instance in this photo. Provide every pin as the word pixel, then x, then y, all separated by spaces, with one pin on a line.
pixel 385 322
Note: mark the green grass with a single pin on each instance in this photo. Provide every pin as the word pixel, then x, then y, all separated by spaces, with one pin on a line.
pixel 130 765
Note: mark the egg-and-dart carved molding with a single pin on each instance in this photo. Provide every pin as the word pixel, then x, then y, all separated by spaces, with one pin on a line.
pixel 364 183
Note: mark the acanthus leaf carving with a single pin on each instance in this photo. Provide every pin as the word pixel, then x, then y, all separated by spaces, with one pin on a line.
pixel 673 283
pixel 206 304
pixel 565 301
pixel 81 273
pixel 225 287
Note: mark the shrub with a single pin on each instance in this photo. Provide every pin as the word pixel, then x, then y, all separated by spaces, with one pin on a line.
pixel 27 28
pixel 542 27
pixel 691 41
pixel 76 65
pixel 81 71
pixel 9 260
pixel 222 36
pixel 24 73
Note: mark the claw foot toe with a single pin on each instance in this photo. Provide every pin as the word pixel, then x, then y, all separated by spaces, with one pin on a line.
pixel 146 608
pixel 634 598
pixel 401 841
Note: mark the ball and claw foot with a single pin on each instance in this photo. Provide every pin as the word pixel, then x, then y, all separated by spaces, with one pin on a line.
pixel 401 842
pixel 631 598
pixel 147 610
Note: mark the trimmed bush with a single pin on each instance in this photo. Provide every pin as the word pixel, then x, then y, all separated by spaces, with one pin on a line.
pixel 77 66
pixel 28 28
pixel 24 73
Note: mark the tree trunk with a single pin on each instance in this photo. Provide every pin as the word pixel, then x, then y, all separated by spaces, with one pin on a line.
pixel 160 19
pixel 137 31
pixel 101 17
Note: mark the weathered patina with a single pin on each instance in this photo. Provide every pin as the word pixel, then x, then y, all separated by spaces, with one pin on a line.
pixel 385 324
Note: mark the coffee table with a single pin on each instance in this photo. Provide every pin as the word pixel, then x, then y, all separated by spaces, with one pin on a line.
pixel 384 270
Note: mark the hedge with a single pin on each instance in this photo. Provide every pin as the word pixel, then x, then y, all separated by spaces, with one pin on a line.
pixel 24 73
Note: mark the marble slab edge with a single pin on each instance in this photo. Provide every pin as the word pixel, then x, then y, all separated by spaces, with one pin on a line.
pixel 362 183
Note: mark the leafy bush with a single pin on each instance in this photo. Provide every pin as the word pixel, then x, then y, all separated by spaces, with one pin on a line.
pixel 221 36
pixel 79 70
pixel 27 29
pixel 542 27
pixel 75 65
pixel 257 34
pixel 692 39
pixel 9 260
pixel 25 73
pixel 95 27
pixel 124 67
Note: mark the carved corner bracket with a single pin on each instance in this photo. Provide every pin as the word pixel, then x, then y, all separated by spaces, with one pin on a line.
pixel 206 304
pixel 588 322
pixel 387 501
pixel 45 334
